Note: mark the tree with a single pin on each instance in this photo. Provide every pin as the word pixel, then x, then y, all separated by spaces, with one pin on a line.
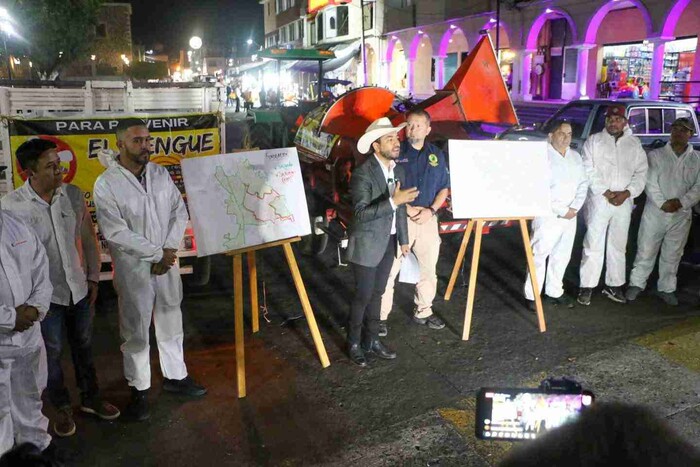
pixel 56 32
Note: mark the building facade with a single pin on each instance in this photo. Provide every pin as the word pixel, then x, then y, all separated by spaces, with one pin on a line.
pixel 284 26
pixel 548 49
pixel 558 49
pixel 111 50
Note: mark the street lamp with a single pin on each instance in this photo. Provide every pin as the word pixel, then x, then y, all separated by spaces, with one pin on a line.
pixel 196 42
pixel 8 31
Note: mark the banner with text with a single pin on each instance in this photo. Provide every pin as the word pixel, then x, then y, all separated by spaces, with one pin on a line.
pixel 80 140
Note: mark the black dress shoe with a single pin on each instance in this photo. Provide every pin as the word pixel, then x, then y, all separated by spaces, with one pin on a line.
pixel 380 350
pixel 138 407
pixel 357 356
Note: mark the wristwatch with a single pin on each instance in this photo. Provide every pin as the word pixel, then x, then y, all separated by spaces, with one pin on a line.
pixel 432 210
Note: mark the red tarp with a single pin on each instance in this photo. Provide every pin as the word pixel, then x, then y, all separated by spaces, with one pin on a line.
pixel 353 112
pixel 475 93
pixel 483 95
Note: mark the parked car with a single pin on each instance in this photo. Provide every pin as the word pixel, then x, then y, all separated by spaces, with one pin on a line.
pixel 649 120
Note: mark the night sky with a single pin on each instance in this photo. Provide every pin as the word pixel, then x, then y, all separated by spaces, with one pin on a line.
pixel 222 23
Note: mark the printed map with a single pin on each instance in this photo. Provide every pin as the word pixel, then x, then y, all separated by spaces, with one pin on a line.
pixel 245 199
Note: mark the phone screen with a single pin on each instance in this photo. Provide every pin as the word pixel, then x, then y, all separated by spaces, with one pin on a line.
pixel 522 414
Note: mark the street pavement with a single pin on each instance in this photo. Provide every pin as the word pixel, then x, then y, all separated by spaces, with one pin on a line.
pixel 416 410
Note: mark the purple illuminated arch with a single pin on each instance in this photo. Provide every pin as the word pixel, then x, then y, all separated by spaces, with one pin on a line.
pixel 489 25
pixel 415 45
pixel 673 17
pixel 445 41
pixel 599 16
pixel 539 22
pixel 390 48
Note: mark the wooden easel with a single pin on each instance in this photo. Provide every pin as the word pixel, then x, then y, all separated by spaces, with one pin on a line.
pixel 475 267
pixel 238 302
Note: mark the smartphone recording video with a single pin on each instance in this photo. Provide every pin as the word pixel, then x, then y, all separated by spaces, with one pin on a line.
pixel 523 414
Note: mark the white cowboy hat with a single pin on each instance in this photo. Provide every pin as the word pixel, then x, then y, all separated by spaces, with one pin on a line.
pixel 378 128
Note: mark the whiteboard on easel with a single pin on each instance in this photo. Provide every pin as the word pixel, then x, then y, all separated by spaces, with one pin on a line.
pixel 499 179
pixel 245 199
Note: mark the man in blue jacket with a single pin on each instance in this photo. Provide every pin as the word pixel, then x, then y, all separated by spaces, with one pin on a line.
pixel 426 169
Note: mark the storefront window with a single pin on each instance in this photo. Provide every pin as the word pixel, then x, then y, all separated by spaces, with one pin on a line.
pixel 679 56
pixel 626 70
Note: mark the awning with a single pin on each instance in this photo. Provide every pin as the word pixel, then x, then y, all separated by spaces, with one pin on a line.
pixel 297 54
pixel 252 66
pixel 343 53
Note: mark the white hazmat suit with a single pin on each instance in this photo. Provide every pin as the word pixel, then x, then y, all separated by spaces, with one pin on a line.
pixel 616 166
pixel 24 279
pixel 670 177
pixel 553 236
pixel 138 224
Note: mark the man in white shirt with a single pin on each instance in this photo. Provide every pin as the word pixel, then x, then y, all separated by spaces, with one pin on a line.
pixel 143 217
pixel 25 294
pixel 672 188
pixel 58 214
pixel 616 166
pixel 553 236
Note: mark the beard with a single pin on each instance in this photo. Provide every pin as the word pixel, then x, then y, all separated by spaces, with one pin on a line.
pixel 390 154
pixel 140 158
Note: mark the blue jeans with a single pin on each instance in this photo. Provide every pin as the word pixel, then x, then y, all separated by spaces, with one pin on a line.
pixel 78 322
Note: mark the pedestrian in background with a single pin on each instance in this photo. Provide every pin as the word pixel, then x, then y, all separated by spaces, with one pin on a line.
pixel 616 167
pixel 59 216
pixel 672 188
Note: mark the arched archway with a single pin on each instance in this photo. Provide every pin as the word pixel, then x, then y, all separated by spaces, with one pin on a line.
pixel 616 36
pixel 397 65
pixel 505 56
pixel 453 46
pixel 371 59
pixel 541 20
pixel 421 68
pixel 613 5
pixel 681 57
pixel 673 17
pixel 551 32
pixel 503 34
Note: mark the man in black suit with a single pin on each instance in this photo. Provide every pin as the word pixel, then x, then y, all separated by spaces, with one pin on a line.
pixel 380 227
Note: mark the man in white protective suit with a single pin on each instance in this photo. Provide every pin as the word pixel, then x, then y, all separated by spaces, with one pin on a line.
pixel 553 236
pixel 142 217
pixel 616 166
pixel 25 295
pixel 673 188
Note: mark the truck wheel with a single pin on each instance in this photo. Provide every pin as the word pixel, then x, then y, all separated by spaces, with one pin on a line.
pixel 201 272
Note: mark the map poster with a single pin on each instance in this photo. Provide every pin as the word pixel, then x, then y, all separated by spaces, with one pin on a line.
pixel 245 199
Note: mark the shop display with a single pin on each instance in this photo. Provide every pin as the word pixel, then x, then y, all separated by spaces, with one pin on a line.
pixel 626 70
